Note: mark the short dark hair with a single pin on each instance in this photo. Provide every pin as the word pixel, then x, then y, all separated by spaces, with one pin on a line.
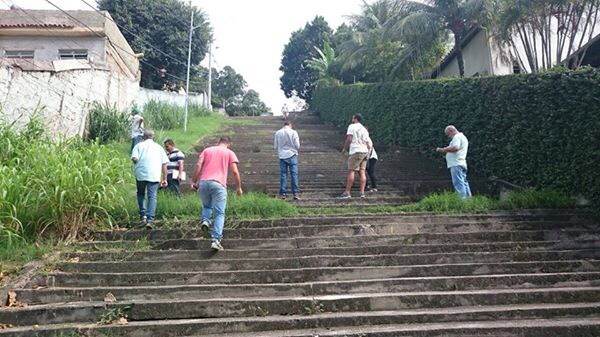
pixel 225 140
pixel 358 117
pixel 287 123
pixel 169 141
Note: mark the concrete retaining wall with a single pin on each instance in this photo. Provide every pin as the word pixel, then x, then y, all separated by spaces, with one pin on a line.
pixel 62 99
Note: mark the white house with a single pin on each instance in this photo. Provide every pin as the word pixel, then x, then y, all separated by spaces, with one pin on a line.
pixel 483 56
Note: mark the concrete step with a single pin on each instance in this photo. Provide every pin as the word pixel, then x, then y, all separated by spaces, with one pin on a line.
pixel 296 275
pixel 326 230
pixel 244 307
pixel 322 261
pixel 206 291
pixel 511 321
pixel 168 255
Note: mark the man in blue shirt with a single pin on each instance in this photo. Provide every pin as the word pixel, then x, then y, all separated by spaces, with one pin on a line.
pixel 150 172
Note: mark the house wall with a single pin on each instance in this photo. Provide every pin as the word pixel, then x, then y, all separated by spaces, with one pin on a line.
pixel 476 56
pixel 147 95
pixel 46 48
pixel 61 99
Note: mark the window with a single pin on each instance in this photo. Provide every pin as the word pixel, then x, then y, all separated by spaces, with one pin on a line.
pixel 19 54
pixel 73 54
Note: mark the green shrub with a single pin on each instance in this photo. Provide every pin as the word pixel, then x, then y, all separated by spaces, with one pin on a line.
pixel 532 198
pixel 108 124
pixel 57 187
pixel 539 130
pixel 450 202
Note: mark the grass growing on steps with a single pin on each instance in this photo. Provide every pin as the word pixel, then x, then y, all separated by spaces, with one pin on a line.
pixel 250 206
pixel 450 202
pixel 14 254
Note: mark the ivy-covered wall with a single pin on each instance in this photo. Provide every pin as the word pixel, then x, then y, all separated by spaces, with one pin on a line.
pixel 538 130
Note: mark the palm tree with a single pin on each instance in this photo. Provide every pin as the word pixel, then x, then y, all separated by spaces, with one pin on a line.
pixel 323 65
pixel 424 20
pixel 389 56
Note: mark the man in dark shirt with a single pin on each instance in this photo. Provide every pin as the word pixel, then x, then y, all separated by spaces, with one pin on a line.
pixel 175 168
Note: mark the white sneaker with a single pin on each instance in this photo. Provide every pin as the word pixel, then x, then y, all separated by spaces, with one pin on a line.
pixel 205 227
pixel 216 245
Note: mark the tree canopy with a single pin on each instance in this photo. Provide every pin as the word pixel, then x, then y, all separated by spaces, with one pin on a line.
pixel 160 30
pixel 298 79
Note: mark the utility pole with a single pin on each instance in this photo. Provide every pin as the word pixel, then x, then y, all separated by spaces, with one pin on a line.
pixel 210 76
pixel 189 62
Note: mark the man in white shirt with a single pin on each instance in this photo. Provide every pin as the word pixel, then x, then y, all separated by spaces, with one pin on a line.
pixel 456 160
pixel 150 172
pixel 359 145
pixel 287 145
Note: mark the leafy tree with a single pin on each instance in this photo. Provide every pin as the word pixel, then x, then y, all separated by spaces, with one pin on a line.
pixel 249 105
pixel 323 65
pixel 371 54
pixel 423 21
pixel 159 29
pixel 298 79
pixel 227 85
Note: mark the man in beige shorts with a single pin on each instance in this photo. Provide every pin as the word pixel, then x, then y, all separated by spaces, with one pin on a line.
pixel 358 143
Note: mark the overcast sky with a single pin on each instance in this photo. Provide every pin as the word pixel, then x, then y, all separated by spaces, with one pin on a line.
pixel 250 34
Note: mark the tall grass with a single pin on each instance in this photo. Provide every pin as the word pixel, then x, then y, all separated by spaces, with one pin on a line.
pixel 108 124
pixel 56 187
pixel 165 116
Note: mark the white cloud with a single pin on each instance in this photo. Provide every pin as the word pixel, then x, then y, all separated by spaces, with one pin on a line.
pixel 250 35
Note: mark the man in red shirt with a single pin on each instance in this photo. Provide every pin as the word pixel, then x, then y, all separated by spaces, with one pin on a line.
pixel 210 179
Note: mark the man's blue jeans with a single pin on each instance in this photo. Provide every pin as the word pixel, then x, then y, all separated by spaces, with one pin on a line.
pixel 214 202
pixel 291 165
pixel 460 182
pixel 147 208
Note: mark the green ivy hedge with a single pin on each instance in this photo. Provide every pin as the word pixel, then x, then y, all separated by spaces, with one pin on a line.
pixel 538 130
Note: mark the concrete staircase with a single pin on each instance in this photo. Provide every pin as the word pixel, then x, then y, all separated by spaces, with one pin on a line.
pixel 403 175
pixel 529 273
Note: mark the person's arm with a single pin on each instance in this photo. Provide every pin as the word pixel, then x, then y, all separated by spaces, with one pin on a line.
pixel 198 172
pixel 238 179
pixel 275 143
pixel 135 155
pixel 347 143
pixel 454 146
pixel 163 181
pixel 296 141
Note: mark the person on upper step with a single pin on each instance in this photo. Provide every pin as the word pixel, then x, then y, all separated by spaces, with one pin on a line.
pixel 287 145
pixel 359 145
pixel 456 160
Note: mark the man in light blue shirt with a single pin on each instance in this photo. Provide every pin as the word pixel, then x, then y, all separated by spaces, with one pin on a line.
pixel 456 160
pixel 150 172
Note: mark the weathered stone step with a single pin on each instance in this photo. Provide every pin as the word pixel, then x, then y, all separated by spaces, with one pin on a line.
pixel 447 322
pixel 205 291
pixel 411 218
pixel 309 230
pixel 163 255
pixel 506 328
pixel 322 261
pixel 356 240
pixel 244 307
pixel 309 274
